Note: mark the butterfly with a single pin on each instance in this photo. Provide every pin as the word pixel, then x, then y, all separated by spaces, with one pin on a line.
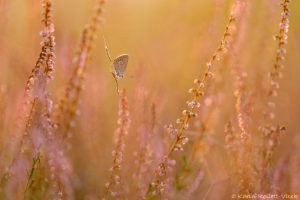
pixel 119 65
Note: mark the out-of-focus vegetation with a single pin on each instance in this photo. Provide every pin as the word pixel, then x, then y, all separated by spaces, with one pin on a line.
pixel 71 136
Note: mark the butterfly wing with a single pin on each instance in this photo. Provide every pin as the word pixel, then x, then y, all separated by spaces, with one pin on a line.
pixel 120 64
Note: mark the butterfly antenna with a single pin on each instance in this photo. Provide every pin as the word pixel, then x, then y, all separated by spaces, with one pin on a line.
pixel 107 50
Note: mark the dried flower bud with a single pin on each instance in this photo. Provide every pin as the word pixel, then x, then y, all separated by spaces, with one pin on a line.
pixel 192 90
pixel 197 81
pixel 185 112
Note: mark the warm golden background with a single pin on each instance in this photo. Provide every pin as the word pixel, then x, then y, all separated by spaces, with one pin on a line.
pixel 168 43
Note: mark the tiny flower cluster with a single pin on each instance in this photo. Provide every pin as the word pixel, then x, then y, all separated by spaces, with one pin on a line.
pixel 37 85
pixel 281 37
pixel 113 186
pixel 158 186
pixel 198 90
pixel 47 55
pixel 49 39
pixel 271 132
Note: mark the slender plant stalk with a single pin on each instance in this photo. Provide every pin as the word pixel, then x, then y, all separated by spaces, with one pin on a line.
pixel 157 186
pixel 69 104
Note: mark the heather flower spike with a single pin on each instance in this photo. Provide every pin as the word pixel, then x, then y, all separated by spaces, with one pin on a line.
pixel 119 65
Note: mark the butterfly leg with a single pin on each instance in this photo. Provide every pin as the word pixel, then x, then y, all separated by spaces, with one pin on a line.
pixel 117 83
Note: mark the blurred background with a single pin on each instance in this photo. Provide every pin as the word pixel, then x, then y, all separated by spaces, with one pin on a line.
pixel 168 43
